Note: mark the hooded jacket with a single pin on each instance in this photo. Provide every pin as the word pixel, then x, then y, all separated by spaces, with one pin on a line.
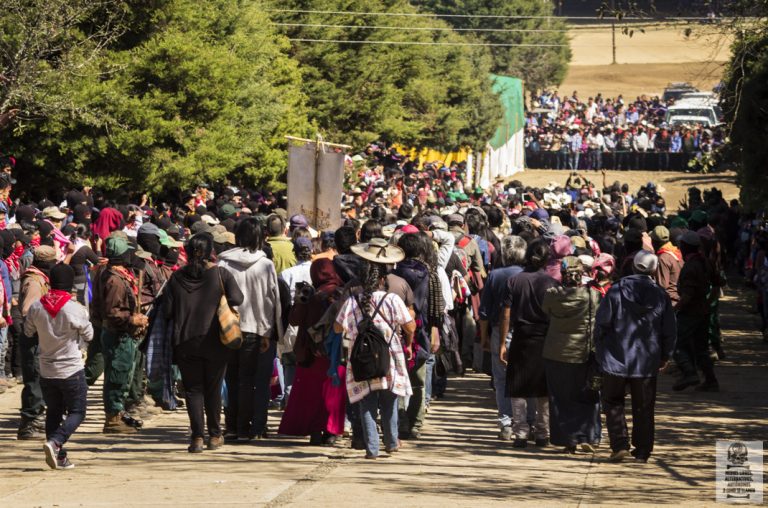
pixel 192 303
pixel 571 313
pixel 635 328
pixel 260 312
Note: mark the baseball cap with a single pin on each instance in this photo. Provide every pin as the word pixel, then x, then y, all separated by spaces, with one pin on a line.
pixel 660 234
pixel 117 246
pixel 645 262
pixel 45 253
pixel 298 221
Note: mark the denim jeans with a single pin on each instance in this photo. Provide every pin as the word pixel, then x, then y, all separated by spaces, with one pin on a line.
pixel 428 379
pixel 386 401
pixel 573 160
pixel 248 375
pixel 503 404
pixel 64 396
pixel 3 349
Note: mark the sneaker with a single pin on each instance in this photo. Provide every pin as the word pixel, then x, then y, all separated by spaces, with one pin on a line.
pixel 618 456
pixel 415 434
pixel 519 443
pixel 588 448
pixel 330 439
pixel 62 462
pixel 541 443
pixel 641 460
pixel 708 386
pixel 569 450
pixel 685 382
pixel 505 434
pixel 51 454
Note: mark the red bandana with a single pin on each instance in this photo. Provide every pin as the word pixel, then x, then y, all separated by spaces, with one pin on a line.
pixel 128 276
pixel 54 300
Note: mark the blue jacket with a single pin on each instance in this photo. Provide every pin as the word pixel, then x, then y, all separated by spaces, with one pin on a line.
pixel 635 328
pixel 494 291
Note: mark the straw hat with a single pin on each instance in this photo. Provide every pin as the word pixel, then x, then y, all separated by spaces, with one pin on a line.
pixel 379 251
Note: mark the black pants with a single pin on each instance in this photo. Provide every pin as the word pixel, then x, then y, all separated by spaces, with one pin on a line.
pixel 248 375
pixel 13 353
pixel 94 362
pixel 32 404
pixel 643 393
pixel 202 378
pixel 64 396
pixel 692 349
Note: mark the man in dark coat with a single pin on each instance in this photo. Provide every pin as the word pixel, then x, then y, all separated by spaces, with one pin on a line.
pixel 634 338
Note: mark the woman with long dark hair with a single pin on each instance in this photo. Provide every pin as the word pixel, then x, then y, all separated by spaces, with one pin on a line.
pixel 525 368
pixel 193 293
pixel 574 409
pixel 388 313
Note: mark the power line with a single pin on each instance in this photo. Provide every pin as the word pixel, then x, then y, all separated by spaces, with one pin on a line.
pixel 435 29
pixel 486 16
pixel 419 43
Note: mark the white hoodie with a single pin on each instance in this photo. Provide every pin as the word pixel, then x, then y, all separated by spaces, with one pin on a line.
pixel 256 276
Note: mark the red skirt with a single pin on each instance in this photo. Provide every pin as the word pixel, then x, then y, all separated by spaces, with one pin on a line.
pixel 315 405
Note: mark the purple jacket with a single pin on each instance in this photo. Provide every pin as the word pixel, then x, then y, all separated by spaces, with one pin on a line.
pixel 635 328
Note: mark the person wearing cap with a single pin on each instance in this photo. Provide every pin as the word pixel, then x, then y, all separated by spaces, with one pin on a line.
pixel 250 368
pixel 670 262
pixel 282 247
pixel 574 417
pixel 388 313
pixel 695 287
pixel 35 283
pixel 121 328
pixel 512 260
pixel 635 333
pixel 61 325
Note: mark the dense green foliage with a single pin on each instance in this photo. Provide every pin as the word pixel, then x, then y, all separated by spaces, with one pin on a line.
pixel 745 100
pixel 203 91
pixel 153 94
pixel 420 95
pixel 538 67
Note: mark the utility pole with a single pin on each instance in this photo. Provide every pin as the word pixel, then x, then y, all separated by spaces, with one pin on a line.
pixel 613 31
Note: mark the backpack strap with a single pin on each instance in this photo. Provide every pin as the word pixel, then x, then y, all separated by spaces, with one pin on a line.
pixel 375 311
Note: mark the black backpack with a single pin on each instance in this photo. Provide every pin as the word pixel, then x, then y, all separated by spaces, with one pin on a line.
pixel 370 357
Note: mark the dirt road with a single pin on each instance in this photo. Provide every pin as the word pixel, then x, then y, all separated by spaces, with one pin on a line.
pixel 459 462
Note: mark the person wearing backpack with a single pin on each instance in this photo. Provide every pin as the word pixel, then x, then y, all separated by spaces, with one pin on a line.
pixel 370 320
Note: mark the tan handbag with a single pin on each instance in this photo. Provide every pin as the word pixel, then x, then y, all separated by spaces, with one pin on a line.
pixel 229 319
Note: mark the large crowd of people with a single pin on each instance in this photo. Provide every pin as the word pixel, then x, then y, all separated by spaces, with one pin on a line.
pixel 219 301
pixel 613 133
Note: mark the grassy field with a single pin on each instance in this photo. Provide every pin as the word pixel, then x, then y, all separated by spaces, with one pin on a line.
pixel 675 184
